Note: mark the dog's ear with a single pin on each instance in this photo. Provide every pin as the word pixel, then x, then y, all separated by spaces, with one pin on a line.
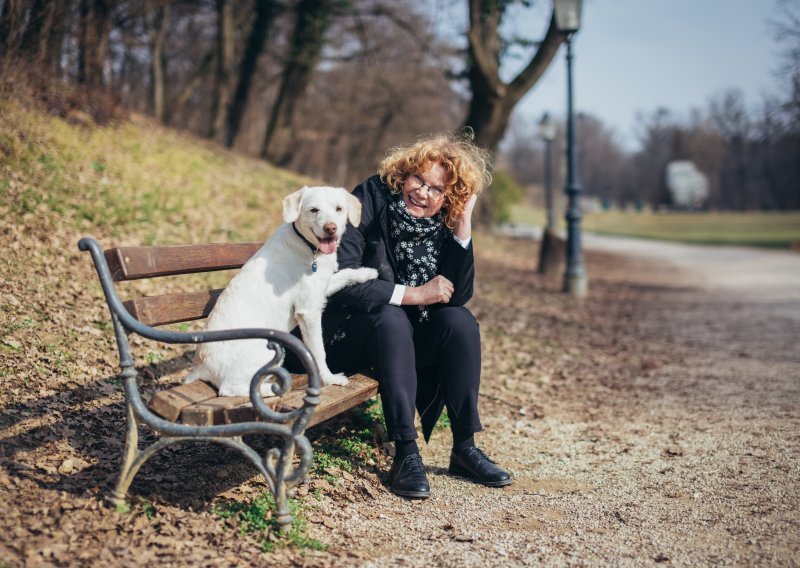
pixel 291 206
pixel 353 209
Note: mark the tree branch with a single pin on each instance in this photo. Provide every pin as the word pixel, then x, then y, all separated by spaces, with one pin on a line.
pixel 538 64
pixel 483 45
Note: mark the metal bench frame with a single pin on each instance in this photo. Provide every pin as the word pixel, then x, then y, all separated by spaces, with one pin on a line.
pixel 289 426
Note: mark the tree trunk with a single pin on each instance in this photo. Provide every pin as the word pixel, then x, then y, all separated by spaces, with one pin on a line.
pixel 158 32
pixel 95 26
pixel 41 40
pixel 493 100
pixel 224 69
pixel 266 12
pixel 11 26
pixel 200 74
pixel 308 39
pixel 552 252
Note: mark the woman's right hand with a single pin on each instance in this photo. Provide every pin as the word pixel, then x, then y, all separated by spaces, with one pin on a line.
pixel 436 291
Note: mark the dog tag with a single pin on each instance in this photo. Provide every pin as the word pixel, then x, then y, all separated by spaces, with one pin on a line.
pixel 314 266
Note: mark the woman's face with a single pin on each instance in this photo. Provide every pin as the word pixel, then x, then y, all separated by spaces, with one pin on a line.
pixel 423 192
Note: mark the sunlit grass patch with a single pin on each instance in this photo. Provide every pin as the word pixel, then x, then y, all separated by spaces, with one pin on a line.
pixel 135 180
pixel 760 229
pixel 352 446
pixel 255 517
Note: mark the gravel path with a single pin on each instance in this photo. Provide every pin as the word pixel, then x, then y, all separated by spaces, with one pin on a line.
pixel 678 442
pixel 656 421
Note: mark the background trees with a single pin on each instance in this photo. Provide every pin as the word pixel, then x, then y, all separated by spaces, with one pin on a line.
pixel 750 155
pixel 325 86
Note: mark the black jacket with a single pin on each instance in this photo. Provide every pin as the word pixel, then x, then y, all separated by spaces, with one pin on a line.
pixel 368 245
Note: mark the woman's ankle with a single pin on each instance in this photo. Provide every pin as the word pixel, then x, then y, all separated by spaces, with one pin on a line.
pixel 462 441
pixel 403 448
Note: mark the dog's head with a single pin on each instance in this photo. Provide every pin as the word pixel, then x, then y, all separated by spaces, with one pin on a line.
pixel 321 214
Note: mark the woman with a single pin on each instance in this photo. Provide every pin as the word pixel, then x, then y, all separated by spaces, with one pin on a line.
pixel 410 325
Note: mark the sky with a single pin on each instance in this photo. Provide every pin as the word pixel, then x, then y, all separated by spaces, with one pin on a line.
pixel 634 56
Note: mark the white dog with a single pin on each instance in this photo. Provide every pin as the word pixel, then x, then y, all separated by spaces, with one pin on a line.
pixel 286 283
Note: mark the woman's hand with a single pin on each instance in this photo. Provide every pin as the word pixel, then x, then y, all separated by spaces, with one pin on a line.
pixel 463 226
pixel 436 291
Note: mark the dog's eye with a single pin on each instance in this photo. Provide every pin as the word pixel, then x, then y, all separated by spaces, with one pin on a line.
pixel 314 210
pixel 338 209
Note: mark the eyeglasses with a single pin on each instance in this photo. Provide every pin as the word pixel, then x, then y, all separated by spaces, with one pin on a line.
pixel 417 183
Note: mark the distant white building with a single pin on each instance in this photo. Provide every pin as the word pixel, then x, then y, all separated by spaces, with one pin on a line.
pixel 687 185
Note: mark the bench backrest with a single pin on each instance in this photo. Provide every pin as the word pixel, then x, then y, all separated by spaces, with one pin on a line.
pixel 134 263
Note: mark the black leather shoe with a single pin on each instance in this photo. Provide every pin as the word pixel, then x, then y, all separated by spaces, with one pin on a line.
pixel 407 477
pixel 473 464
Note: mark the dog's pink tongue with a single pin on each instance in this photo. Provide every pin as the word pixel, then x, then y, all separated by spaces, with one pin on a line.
pixel 327 246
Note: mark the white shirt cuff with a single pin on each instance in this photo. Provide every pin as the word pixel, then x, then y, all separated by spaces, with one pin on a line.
pixel 397 295
pixel 464 243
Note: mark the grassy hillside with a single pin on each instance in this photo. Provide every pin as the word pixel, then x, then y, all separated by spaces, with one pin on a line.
pixel 130 183
pixel 133 182
pixel 773 230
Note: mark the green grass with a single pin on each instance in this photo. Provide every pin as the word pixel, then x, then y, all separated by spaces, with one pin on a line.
pixel 136 183
pixel 255 518
pixel 351 447
pixel 443 423
pixel 758 229
pixel 134 180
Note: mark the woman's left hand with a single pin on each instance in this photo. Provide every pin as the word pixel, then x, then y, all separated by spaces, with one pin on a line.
pixel 463 226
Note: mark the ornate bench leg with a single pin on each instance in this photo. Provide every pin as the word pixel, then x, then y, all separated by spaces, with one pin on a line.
pixel 127 471
pixel 279 464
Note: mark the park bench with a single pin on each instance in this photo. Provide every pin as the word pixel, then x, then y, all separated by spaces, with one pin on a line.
pixel 194 411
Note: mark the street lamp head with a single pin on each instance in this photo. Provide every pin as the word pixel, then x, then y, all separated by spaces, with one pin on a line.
pixel 568 15
pixel 547 128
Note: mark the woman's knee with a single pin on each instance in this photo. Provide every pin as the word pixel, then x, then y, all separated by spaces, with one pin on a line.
pixel 458 323
pixel 392 321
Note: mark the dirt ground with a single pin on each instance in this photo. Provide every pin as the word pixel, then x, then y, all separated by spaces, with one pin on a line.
pixel 657 421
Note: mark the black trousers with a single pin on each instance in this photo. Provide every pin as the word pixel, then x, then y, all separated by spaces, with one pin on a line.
pixel 413 361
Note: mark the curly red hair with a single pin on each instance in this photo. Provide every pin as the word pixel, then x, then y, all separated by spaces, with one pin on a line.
pixel 467 167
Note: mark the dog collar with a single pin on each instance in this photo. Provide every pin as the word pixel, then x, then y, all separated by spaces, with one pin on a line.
pixel 314 250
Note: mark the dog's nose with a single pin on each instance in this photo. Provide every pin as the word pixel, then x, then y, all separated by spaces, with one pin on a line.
pixel 330 229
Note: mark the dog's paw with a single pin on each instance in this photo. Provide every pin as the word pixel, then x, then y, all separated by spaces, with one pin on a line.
pixel 363 274
pixel 335 379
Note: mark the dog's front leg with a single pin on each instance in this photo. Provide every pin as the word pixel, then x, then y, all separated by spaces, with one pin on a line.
pixel 311 328
pixel 349 276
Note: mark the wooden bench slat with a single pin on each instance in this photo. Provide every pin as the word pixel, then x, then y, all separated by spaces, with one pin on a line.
pixel 211 411
pixel 338 399
pixel 231 410
pixel 173 308
pixel 335 399
pixel 245 413
pixel 169 403
pixel 131 263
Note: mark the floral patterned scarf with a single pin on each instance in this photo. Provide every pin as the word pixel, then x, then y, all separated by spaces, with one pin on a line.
pixel 417 245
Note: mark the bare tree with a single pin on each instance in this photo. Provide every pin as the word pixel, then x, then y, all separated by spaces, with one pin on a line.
pixel 44 33
pixel 313 19
pixel 160 16
pixel 384 80
pixel 266 11
pixel 95 27
pixel 224 69
pixel 493 99
pixel 12 24
pixel 604 164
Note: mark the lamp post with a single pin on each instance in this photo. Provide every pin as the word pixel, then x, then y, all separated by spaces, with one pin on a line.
pixel 568 21
pixel 547 132
pixel 551 247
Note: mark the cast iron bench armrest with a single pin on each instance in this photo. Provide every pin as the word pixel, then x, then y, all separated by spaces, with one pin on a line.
pixel 279 466
pixel 274 338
